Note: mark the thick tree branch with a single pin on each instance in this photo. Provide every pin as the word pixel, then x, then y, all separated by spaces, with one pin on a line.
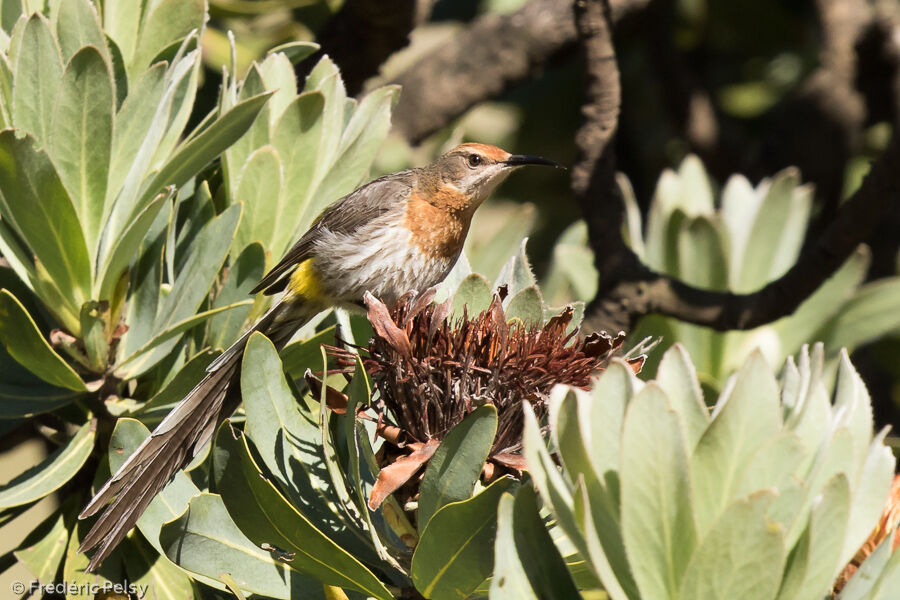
pixel 363 34
pixel 644 292
pixel 818 128
pixel 492 54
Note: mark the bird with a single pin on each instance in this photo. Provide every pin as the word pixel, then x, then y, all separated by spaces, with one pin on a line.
pixel 399 233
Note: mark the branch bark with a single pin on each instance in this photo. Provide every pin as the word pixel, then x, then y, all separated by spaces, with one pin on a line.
pixel 491 55
pixel 363 34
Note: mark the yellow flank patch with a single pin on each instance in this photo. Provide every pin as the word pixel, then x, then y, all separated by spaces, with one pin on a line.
pixel 305 281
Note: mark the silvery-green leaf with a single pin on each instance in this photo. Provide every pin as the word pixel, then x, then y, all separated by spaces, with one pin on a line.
pixel 528 307
pixel 133 121
pixel 814 564
pixel 658 526
pixel 359 142
pixel 777 232
pixel 455 552
pixel 865 583
pixel 297 136
pixel 36 204
pixel 259 194
pixel 278 74
pixel 265 516
pixel 474 293
pixel 81 137
pixel 26 344
pixel 78 26
pixel 516 274
pixel 740 203
pixel 456 465
pixel 121 20
pixel 633 232
pixel 38 70
pixel 295 51
pixel 677 376
pixel 869 493
pixel 745 419
pixel 510 577
pixel 867 316
pixel 740 557
pixel 205 540
pixel 42 551
pixel 165 23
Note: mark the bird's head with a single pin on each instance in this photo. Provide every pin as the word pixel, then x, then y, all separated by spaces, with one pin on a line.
pixel 475 170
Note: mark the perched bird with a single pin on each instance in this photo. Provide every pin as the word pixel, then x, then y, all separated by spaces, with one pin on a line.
pixel 401 232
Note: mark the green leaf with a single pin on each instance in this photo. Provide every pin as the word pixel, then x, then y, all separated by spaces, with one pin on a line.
pixel 287 439
pixel 38 68
pixel 295 51
pixel 127 244
pixel 455 552
pixel 457 463
pixel 554 490
pixel 147 569
pixel 516 274
pixel 259 194
pixel 94 317
pixel 701 262
pixel 242 275
pixel 25 343
pixel 205 256
pixel 205 147
pixel 278 75
pixel 677 376
pixel 262 513
pixel 777 232
pixel 43 549
pixel 528 307
pixel 603 541
pixel 741 556
pixel 205 540
pixel 297 136
pixel 814 562
pixel 166 23
pixel 134 122
pixel 867 316
pixel 78 26
pixel 35 202
pixel 744 419
pixel 359 142
pixel 306 354
pixel 510 578
pixel 52 472
pixel 121 20
pixel 657 525
pixel 871 488
pixel 171 501
pixel 160 345
pixel 813 319
pixel 474 293
pixel 526 563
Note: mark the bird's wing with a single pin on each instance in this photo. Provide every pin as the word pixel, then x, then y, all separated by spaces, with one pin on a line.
pixel 343 216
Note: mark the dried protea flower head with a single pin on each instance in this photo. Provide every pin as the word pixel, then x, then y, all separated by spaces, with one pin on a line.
pixel 432 371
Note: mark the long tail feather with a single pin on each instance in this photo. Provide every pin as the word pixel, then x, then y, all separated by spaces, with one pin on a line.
pixel 179 436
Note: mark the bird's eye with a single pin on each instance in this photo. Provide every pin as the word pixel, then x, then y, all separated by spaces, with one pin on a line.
pixel 474 160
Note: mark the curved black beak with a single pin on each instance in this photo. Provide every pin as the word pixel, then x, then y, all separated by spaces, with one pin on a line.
pixel 518 160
